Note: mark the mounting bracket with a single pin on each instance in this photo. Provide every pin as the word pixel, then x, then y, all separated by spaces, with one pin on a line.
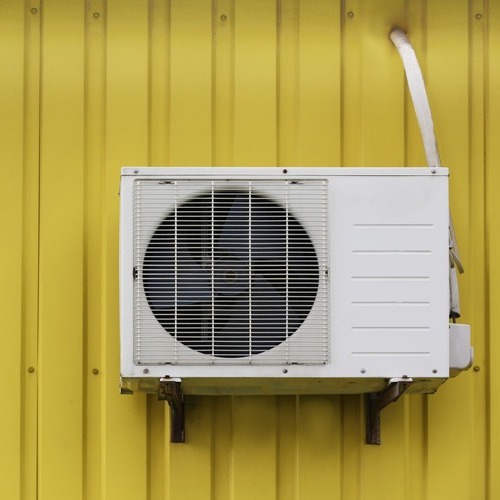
pixel 377 401
pixel 171 392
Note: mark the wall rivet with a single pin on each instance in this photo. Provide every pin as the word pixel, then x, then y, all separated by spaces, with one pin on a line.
pixel 433 170
pixel 350 14
pixel 146 370
pixel 96 15
pixel 95 371
pixel 136 171
pixel 434 371
pixel 285 371
pixel 479 16
pixel 223 18
pixel 362 370
pixel 477 368
pixel 34 11
pixel 31 369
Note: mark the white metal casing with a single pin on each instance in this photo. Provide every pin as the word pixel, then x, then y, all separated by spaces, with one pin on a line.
pixel 387 284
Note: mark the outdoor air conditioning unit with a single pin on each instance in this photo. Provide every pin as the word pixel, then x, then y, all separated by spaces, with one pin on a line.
pixel 291 281
pixel 294 281
pixel 272 281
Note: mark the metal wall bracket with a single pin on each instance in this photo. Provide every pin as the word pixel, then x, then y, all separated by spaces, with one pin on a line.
pixel 171 392
pixel 376 402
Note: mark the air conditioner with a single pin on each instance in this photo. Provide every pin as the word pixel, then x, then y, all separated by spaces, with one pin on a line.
pixel 291 281
pixel 272 281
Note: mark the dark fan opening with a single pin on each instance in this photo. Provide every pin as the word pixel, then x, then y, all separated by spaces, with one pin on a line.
pixel 230 274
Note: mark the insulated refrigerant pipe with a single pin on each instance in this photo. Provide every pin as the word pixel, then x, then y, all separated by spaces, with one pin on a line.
pixel 420 101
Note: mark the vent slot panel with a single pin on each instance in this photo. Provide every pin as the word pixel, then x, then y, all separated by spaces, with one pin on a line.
pixel 230 272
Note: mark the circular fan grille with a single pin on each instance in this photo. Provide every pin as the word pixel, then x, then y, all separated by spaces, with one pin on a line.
pixel 230 273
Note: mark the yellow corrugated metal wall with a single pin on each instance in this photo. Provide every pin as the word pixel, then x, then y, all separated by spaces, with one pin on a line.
pixel 87 87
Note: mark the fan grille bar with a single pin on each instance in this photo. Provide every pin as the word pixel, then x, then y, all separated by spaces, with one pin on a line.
pixel 213 267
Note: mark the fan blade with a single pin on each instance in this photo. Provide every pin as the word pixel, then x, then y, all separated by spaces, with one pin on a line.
pixel 171 279
pixel 299 280
pixel 262 224
pixel 269 231
pixel 237 335
pixel 232 320
pixel 272 317
pixel 234 236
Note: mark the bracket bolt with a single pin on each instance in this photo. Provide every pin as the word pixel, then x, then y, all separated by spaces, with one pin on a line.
pixel 477 368
pixel 31 369
pixel 95 371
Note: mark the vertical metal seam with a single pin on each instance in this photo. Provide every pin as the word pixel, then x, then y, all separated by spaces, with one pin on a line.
pixel 40 114
pixel 487 246
pixel 85 255
pixel 214 84
pixel 278 82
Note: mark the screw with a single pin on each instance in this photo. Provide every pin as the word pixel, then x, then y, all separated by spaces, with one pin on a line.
pixel 285 171
pixel 285 371
pixel 350 14
pixel 478 16
pixel 477 368
pixel 136 171
pixel 31 369
pixel 363 370
pixel 34 11
pixel 223 18
pixel 96 15
pixel 95 371
pixel 434 371
pixel 433 170
pixel 145 370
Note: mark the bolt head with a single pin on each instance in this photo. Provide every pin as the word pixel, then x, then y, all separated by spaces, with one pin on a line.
pixel 478 16
pixel 146 370
pixel 136 171
pixel 223 18
pixel 95 371
pixel 477 368
pixel 362 370
pixel 350 14
pixel 31 369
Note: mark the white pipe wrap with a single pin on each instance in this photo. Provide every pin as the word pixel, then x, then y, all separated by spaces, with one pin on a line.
pixel 420 101
pixel 418 95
